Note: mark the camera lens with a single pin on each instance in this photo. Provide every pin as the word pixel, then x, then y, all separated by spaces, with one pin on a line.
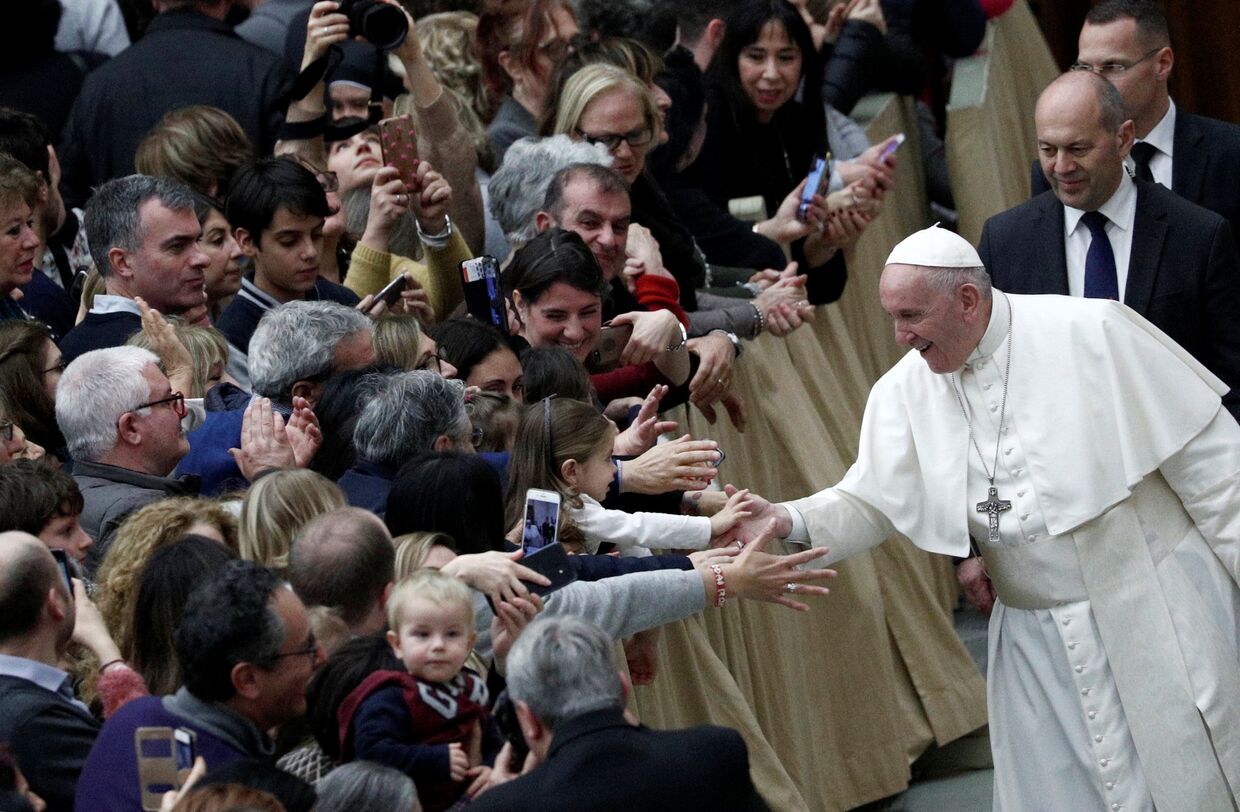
pixel 383 25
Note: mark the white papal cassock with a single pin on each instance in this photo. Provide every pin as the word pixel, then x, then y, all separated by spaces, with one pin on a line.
pixel 1114 674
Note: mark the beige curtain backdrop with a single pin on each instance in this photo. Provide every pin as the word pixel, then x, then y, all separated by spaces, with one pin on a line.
pixel 834 703
pixel 990 118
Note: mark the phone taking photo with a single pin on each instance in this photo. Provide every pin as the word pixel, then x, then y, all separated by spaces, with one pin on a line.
pixel 185 747
pixel 399 145
pixel 391 292
pixel 891 147
pixel 608 347
pixel 541 526
pixel 66 569
pixel 484 298
pixel 816 183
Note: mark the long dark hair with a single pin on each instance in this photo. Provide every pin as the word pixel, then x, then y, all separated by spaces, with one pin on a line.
pixel 23 398
pixel 744 27
pixel 554 256
pixel 453 493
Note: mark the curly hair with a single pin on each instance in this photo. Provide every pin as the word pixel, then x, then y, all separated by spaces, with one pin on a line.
pixel 146 530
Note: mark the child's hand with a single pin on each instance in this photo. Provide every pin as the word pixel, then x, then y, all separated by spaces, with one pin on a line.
pixel 481 781
pixel 458 760
pixel 737 508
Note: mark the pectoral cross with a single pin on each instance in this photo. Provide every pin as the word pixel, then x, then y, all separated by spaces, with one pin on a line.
pixel 992 507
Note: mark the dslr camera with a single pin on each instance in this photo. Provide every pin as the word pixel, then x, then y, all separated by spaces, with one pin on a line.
pixel 382 25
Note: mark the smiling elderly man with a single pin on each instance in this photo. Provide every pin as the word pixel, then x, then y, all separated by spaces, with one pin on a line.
pixel 1091 460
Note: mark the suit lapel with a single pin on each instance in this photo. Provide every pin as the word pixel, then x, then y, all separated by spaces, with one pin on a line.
pixel 1051 268
pixel 1189 164
pixel 1149 229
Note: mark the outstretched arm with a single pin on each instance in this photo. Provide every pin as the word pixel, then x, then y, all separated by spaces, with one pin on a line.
pixel 830 518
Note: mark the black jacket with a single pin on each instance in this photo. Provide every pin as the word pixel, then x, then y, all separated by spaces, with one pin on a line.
pixel 1183 270
pixel 50 736
pixel 600 762
pixel 185 58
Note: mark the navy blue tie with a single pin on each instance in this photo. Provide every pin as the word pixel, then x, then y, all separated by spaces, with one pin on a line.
pixel 1100 279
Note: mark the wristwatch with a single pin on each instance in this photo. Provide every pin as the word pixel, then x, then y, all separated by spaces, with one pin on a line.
pixel 736 342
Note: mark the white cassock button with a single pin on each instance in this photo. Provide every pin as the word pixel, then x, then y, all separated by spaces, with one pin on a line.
pixel 1110 785
pixel 1092 714
pixel 986 387
pixel 1024 516
pixel 1067 620
pixel 1104 762
pixel 1071 647
pixel 1098 739
pixel 980 365
pixel 1033 537
pixel 1085 691
pixel 1080 668
pixel 1020 493
pixel 994 407
pixel 1019 471
pixel 1115 806
pixel 1007 452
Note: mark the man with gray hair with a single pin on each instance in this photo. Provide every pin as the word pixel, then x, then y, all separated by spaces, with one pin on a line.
pixel 409 413
pixel 569 698
pixel 143 237
pixel 295 348
pixel 518 187
pixel 122 423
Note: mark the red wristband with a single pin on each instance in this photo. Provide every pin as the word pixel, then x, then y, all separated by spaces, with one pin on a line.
pixel 721 587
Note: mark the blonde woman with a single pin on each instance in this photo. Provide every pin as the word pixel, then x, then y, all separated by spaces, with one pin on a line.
pixel 200 145
pixel 415 551
pixel 275 509
pixel 146 530
pixel 208 350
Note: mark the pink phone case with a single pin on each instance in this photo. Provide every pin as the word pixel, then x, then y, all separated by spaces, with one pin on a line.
pixel 400 147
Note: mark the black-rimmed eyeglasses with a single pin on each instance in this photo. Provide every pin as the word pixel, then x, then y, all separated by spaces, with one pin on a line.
pixel 176 399
pixel 634 138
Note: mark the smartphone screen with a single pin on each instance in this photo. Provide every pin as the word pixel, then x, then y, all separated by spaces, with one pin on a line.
pixel 484 298
pixel 62 560
pixel 891 148
pixel 816 183
pixel 184 746
pixel 542 520
pixel 400 147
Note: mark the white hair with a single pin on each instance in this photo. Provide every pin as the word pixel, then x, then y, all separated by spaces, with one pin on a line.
pixel 518 187
pixel 406 412
pixel 297 341
pixel 947 280
pixel 95 390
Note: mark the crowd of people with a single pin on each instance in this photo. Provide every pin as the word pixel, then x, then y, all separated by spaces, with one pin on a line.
pixel 301 301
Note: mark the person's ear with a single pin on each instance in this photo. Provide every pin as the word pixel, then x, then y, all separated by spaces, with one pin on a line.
pixel 306 389
pixel 1126 136
pixel 507 65
pixel 970 297
pixel 53 167
pixel 518 307
pixel 385 594
pixel 543 221
pixel 118 258
pixel 443 443
pixel 1163 63
pixel 245 680
pixel 246 241
pixel 58 608
pixel 531 728
pixel 715 31
pixel 570 471
pixel 393 640
pixel 127 430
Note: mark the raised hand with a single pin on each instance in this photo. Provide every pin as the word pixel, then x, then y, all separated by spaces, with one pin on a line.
pixel 761 514
pixel 758 575
pixel 646 428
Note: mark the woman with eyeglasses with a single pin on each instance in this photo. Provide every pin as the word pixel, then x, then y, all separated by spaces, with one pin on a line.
pixel 30 367
pixel 519 46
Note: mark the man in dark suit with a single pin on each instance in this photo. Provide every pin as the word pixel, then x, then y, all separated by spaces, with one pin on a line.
pixel 1126 42
pixel 49 730
pixel 569 702
pixel 1102 234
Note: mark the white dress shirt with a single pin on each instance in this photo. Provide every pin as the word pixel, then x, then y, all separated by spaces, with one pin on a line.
pixel 1121 212
pixel 1162 138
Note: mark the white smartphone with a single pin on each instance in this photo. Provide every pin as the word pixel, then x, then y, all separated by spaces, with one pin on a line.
pixel 541 526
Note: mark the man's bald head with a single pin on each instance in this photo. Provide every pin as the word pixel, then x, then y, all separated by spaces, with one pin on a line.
pixel 27 573
pixel 343 559
pixel 1083 137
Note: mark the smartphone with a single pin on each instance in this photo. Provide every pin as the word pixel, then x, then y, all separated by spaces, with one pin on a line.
pixel 542 520
pixel 816 183
pixel 505 716
pixel 608 347
pixel 484 298
pixel 399 144
pixel 185 747
pixel 157 764
pixel 391 292
pixel 551 561
pixel 891 148
pixel 66 569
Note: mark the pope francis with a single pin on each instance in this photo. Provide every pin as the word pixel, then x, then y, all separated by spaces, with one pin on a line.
pixel 1090 459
